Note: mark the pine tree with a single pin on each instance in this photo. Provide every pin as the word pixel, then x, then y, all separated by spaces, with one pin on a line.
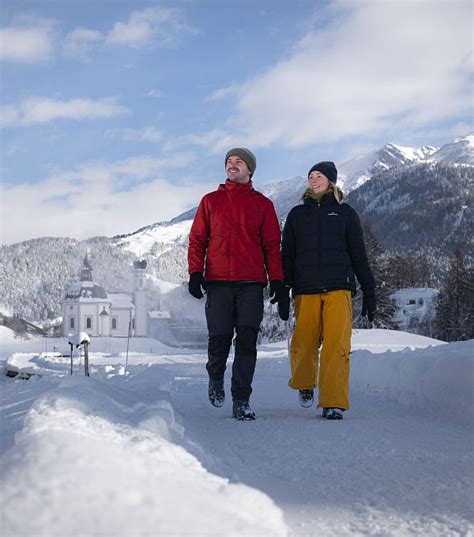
pixel 398 271
pixel 455 305
pixel 379 265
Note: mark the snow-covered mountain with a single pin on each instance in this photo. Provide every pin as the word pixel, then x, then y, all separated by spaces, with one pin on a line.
pixel 352 174
pixel 34 273
pixel 460 151
pixel 426 206
pixel 355 172
pixel 158 237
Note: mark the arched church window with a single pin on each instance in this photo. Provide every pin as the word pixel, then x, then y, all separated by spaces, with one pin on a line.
pixel 88 322
pixel 114 324
pixel 71 323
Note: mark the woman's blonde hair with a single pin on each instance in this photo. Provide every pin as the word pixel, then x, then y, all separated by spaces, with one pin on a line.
pixel 338 193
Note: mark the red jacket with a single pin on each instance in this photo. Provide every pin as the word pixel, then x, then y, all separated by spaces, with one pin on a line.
pixel 235 236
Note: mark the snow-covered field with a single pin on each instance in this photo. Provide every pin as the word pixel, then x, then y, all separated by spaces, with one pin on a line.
pixel 140 451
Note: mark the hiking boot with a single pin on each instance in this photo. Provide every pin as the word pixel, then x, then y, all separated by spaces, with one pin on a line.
pixel 332 413
pixel 216 392
pixel 241 410
pixel 306 398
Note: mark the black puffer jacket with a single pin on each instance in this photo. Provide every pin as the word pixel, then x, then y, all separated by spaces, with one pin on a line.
pixel 323 246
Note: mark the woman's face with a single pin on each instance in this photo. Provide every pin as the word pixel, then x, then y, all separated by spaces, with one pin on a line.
pixel 318 181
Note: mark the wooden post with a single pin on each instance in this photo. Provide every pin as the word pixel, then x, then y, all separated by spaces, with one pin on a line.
pixel 72 347
pixel 86 358
pixel 128 338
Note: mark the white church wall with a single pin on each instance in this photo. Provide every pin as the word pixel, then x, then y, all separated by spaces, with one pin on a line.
pixel 89 319
pixel 122 319
pixel 70 312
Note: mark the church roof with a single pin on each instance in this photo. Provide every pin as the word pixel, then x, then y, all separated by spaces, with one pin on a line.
pixel 121 300
pixel 86 290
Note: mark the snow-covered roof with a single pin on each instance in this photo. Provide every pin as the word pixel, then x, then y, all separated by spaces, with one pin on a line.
pixel 121 300
pixel 85 290
pixel 402 295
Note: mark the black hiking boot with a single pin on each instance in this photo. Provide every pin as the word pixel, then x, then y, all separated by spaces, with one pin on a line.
pixel 241 410
pixel 306 398
pixel 216 392
pixel 332 413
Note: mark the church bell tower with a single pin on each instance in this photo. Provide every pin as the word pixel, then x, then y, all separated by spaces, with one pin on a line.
pixel 139 296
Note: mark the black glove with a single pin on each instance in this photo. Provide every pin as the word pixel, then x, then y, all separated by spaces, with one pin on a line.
pixel 280 294
pixel 196 281
pixel 369 306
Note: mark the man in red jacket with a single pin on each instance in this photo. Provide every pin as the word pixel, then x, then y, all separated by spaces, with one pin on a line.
pixel 234 244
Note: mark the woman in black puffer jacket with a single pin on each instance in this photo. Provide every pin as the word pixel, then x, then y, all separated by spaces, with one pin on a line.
pixel 323 250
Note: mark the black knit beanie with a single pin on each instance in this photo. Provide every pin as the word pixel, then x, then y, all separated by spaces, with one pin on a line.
pixel 327 168
pixel 246 155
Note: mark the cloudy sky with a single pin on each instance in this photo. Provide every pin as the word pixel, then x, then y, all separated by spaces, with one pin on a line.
pixel 116 114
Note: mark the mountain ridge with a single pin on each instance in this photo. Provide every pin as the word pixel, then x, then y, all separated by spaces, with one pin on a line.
pixel 34 273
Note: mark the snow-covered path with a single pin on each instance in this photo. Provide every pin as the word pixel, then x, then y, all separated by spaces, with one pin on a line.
pixel 384 470
pixel 146 454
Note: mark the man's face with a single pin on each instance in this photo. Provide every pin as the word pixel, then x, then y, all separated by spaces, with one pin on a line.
pixel 237 170
pixel 318 181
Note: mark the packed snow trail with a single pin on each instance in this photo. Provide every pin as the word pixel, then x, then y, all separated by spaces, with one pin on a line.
pixel 104 455
pixel 385 469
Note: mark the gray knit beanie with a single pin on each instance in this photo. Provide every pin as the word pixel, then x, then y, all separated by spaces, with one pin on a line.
pixel 246 155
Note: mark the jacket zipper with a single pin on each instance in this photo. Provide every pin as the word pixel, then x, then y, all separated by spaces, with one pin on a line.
pixel 321 272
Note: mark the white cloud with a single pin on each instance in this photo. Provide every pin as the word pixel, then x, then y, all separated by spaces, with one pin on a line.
pixel 156 94
pixel 97 199
pixel 28 41
pixel 158 26
pixel 222 93
pixel 208 139
pixel 147 134
pixel 36 110
pixel 373 67
pixel 32 39
pixel 81 42
pixel 13 149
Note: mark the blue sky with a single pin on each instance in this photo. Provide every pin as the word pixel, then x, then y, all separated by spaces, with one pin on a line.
pixel 117 114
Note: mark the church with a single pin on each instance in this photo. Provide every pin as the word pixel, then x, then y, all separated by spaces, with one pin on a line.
pixel 88 307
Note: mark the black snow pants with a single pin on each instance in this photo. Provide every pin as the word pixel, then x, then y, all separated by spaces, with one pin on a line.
pixel 230 307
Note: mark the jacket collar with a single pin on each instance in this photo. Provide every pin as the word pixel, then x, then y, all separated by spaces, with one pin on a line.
pixel 230 186
pixel 327 199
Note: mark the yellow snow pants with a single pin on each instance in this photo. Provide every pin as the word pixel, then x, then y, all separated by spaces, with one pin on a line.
pixel 323 334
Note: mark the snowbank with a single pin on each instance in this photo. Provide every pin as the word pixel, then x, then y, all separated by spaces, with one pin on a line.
pixel 46 363
pixel 107 455
pixel 378 340
pixel 111 345
pixel 436 380
pixel 97 459
pixel 6 335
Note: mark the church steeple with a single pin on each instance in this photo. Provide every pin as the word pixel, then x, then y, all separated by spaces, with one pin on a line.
pixel 86 271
